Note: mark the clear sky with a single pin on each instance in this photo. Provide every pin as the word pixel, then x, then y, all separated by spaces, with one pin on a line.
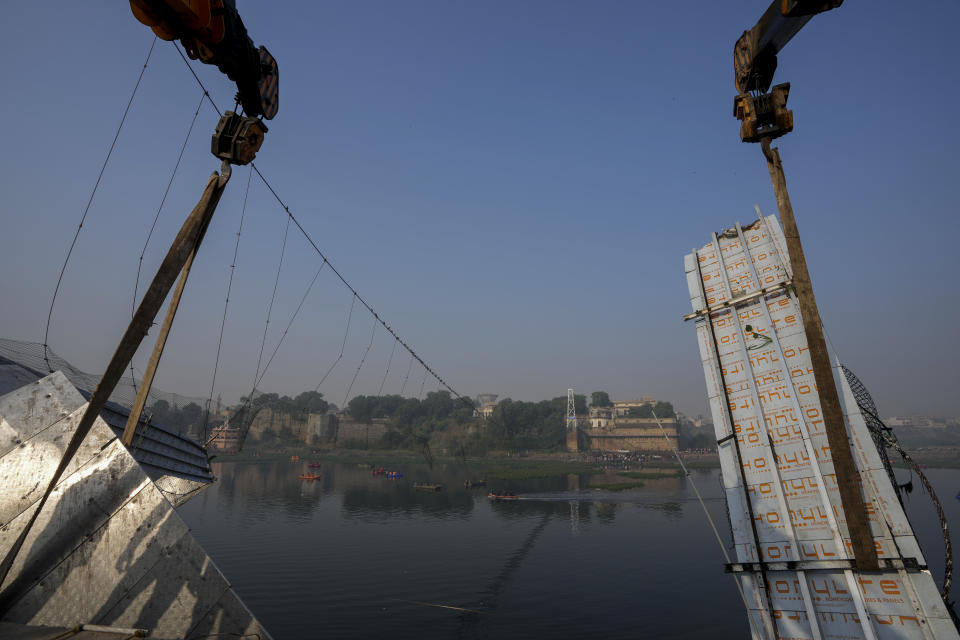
pixel 512 185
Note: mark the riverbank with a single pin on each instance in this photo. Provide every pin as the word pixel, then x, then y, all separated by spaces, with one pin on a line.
pixel 494 466
pixel 511 466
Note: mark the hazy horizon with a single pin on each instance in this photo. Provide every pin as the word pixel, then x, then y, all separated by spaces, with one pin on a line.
pixel 511 187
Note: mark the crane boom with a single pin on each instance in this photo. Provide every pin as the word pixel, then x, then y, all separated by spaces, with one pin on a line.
pixel 755 53
pixel 213 32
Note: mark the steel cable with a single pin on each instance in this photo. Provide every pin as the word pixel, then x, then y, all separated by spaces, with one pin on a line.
pixel 387 372
pixel 163 200
pixel 290 323
pixel 273 297
pixel 363 359
pixel 409 369
pixel 343 344
pixel 226 303
pixel 86 210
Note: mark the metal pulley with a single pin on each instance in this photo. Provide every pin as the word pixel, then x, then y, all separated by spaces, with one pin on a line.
pixel 237 138
pixel 765 115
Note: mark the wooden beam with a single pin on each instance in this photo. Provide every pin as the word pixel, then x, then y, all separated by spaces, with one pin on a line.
pixel 205 208
pixel 136 331
pixel 848 480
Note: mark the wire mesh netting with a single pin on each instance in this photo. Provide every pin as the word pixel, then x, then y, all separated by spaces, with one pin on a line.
pixel 30 355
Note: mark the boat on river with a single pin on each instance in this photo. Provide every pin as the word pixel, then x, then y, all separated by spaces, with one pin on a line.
pixel 309 476
pixel 497 496
pixel 427 486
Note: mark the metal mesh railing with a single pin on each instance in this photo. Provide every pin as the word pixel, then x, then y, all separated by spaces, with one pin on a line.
pixel 30 355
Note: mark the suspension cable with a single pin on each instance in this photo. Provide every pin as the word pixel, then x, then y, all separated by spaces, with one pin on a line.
pixel 387 372
pixel 716 533
pixel 163 200
pixel 320 253
pixel 86 210
pixel 273 297
pixel 353 302
pixel 226 303
pixel 892 443
pixel 363 359
pixel 409 369
pixel 422 384
pixel 290 323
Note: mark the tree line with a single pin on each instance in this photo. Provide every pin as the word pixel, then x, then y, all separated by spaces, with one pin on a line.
pixel 436 421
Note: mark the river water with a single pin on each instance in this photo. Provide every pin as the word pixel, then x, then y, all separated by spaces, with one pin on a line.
pixel 357 556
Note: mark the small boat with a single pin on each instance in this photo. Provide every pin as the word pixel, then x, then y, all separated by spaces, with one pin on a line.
pixel 314 465
pixel 502 495
pixel 474 483
pixel 427 486
pixel 309 476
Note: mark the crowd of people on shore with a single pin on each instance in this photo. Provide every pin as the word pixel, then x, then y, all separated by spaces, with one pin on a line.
pixel 624 460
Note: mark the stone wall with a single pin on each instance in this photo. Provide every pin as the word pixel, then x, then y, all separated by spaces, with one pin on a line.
pixel 369 434
pixel 632 434
pixel 269 419
pixel 318 427
pixel 631 441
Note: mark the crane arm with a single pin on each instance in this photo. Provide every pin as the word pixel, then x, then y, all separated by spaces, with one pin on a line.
pixel 213 32
pixel 762 114
pixel 755 53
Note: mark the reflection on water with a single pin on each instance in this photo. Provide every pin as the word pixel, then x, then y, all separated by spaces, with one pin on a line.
pixel 352 555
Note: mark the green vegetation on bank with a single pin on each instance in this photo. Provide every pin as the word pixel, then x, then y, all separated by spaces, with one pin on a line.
pixel 439 422
pixel 435 425
pixel 652 475
pixel 509 469
pixel 617 486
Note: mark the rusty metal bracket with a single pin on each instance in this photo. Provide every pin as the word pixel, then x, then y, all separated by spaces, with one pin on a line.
pixel 764 116
pixel 237 139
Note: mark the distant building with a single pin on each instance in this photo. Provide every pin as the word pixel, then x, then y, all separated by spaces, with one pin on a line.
pixel 485 405
pixel 614 429
pixel 600 417
pixel 224 439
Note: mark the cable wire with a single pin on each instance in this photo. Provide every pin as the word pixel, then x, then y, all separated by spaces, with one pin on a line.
pixel 86 210
pixel 290 323
pixel 163 200
pixel 273 297
pixel 422 384
pixel 387 372
pixel 363 359
pixel 353 301
pixel 716 533
pixel 319 252
pixel 226 303
pixel 409 369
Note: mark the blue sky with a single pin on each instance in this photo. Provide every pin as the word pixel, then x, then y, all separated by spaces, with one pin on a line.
pixel 511 185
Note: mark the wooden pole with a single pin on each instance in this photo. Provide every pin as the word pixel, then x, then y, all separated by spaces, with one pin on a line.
pixel 205 208
pixel 136 331
pixel 848 481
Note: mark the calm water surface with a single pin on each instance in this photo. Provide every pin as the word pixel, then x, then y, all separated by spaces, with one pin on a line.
pixel 356 556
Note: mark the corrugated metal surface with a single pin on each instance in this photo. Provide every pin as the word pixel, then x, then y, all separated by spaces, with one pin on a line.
pixel 788 524
pixel 108 548
pixel 175 462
